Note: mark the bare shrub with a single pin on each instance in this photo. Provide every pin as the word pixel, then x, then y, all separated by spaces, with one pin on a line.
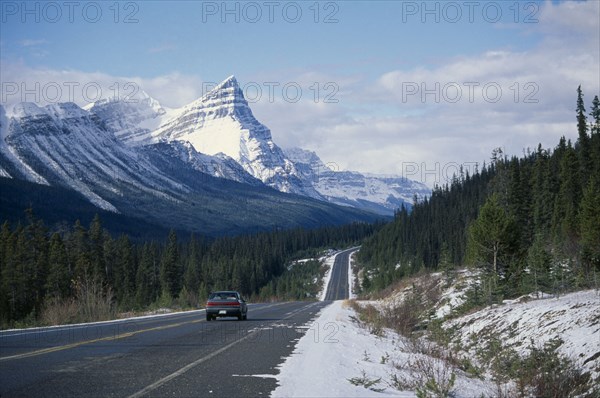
pixel 435 378
pixel 94 304
pixel 429 377
pixel 59 311
pixel 90 303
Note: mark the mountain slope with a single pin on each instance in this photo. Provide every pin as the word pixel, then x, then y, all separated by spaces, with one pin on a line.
pixel 219 130
pixel 65 146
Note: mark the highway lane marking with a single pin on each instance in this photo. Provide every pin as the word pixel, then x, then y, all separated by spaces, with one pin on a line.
pixel 197 362
pixel 60 328
pixel 187 367
pixel 80 343
pixel 108 338
pixel 138 320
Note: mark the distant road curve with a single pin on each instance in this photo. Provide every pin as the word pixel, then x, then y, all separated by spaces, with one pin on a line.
pixel 338 287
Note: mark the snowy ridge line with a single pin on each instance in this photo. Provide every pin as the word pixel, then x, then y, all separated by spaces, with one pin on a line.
pixel 19 162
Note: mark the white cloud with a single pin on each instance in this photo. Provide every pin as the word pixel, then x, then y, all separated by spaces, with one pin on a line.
pixel 537 102
pixel 21 83
pixel 164 47
pixel 31 42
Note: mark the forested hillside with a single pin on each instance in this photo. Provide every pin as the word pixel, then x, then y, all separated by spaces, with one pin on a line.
pixel 85 274
pixel 529 223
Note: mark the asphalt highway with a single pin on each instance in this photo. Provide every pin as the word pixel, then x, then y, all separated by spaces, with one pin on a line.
pixel 172 355
pixel 338 284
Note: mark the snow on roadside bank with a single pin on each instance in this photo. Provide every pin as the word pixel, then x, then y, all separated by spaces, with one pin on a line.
pixel 339 357
pixel 336 350
pixel 328 261
pixel 330 353
pixel 574 318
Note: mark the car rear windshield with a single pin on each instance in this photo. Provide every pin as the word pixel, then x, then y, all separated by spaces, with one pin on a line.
pixel 223 296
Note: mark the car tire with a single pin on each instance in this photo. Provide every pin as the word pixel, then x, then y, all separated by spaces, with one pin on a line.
pixel 245 317
pixel 208 318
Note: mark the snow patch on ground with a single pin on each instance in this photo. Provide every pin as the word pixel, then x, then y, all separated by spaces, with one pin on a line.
pixel 454 296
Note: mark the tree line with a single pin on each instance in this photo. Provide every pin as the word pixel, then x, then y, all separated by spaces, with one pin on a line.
pixel 41 268
pixel 527 223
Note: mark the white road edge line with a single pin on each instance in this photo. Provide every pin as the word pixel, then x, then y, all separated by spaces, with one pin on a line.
pixel 197 362
pixel 187 367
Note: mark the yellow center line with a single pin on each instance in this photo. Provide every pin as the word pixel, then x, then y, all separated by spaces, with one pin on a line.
pixel 80 343
pixel 108 338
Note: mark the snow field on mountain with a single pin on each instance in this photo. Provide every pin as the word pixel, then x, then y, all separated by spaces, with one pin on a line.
pixel 105 146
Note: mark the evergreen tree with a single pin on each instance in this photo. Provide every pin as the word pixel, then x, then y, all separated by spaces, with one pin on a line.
pixel 581 117
pixel 96 236
pixel 146 278
pixel 491 236
pixel 59 278
pixel 125 272
pixel 191 276
pixel 6 247
pixel 20 277
pixel 539 261
pixel 583 140
pixel 37 237
pixel 543 195
pixel 170 267
pixel 567 202
pixel 595 138
pixel 590 225
pixel 595 114
pixel 79 251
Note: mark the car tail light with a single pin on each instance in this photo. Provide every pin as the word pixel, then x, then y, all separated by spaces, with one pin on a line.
pixel 223 304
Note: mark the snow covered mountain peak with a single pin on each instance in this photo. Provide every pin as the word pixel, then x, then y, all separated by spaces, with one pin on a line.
pixel 226 94
pixel 230 82
pixel 222 122
pixel 376 193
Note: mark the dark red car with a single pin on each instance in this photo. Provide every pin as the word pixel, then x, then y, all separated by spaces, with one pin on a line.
pixel 226 304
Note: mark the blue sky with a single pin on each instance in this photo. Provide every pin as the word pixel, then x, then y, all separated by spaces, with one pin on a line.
pixel 158 37
pixel 372 52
